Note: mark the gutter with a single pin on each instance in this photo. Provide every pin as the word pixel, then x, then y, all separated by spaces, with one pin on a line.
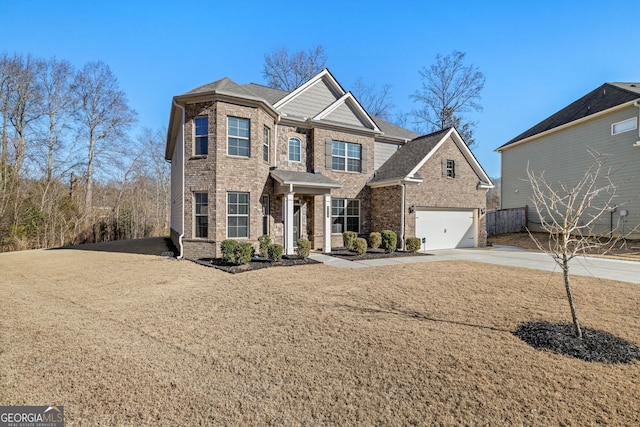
pixel 636 104
pixel 183 190
pixel 275 146
pixel 403 206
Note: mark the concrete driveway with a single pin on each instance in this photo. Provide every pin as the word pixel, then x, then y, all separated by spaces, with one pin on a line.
pixel 624 271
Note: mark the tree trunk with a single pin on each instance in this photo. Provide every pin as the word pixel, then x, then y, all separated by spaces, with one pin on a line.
pixel 572 305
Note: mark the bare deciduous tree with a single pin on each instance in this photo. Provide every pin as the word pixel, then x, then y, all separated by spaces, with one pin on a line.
pixel 449 89
pixel 286 71
pixel 104 116
pixel 375 101
pixel 569 214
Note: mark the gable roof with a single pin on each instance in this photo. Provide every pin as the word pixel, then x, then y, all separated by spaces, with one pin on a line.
pixel 393 130
pixel 404 164
pixel 603 98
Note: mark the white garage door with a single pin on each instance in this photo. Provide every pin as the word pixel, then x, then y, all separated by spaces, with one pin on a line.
pixel 446 229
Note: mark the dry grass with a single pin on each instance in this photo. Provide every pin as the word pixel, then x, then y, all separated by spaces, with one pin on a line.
pixel 122 339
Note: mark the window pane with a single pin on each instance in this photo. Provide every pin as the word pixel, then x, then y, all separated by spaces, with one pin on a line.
pixel 353 224
pixel 337 163
pixel 202 145
pixel 353 208
pixel 353 165
pixel 337 148
pixel 243 198
pixel 337 225
pixel 353 150
pixel 202 125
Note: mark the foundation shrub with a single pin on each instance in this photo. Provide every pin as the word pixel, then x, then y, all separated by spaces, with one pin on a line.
pixel 349 238
pixel 375 240
pixel 304 248
pixel 275 252
pixel 235 252
pixel 360 246
pixel 389 240
pixel 412 244
pixel 264 241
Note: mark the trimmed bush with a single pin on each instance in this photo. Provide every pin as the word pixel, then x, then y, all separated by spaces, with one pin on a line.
pixel 389 240
pixel 304 248
pixel 264 241
pixel 413 244
pixel 360 246
pixel 349 239
pixel 275 252
pixel 375 240
pixel 235 252
pixel 228 248
pixel 244 251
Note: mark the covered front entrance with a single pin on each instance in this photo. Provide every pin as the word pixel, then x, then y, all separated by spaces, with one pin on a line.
pixel 292 185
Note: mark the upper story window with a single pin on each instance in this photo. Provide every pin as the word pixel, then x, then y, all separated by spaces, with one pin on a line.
pixel 201 146
pixel 266 137
pixel 346 156
pixel 624 126
pixel 449 168
pixel 238 143
pixel 201 215
pixel 294 150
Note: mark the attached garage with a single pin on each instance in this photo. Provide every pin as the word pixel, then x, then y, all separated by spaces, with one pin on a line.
pixel 447 228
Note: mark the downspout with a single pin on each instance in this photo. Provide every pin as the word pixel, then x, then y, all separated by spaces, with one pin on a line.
pixel 402 218
pixel 183 189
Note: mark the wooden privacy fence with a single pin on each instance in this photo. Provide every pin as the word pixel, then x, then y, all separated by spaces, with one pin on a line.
pixel 506 221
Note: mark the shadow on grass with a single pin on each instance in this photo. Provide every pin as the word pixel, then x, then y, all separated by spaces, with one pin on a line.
pixel 160 246
pixel 420 316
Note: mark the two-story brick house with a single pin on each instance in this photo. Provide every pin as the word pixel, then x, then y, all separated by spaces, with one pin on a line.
pixel 248 160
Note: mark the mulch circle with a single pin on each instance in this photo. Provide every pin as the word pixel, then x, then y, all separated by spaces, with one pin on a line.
pixel 595 346
pixel 256 263
pixel 345 253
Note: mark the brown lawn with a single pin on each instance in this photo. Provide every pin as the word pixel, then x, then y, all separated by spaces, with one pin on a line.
pixel 122 339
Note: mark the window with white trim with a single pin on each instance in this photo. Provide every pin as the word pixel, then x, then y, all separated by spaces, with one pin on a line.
pixel 201 137
pixel 237 215
pixel 201 215
pixel 345 215
pixel 624 126
pixel 295 150
pixel 265 143
pixel 346 156
pixel 238 143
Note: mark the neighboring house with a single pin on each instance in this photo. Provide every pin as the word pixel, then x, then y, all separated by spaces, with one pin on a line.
pixel 248 160
pixel 604 121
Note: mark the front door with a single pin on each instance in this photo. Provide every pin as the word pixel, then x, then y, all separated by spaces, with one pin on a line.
pixel 296 223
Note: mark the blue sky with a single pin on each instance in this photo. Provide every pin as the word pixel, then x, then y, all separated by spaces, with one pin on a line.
pixel 537 56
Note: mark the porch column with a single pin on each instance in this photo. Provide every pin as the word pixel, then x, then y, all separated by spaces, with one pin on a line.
pixel 288 224
pixel 327 223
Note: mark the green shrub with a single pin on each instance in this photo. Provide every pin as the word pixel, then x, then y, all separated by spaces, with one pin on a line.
pixel 349 238
pixel 228 248
pixel 413 244
pixel 275 252
pixel 389 240
pixel 304 248
pixel 264 241
pixel 244 251
pixel 375 240
pixel 235 252
pixel 360 246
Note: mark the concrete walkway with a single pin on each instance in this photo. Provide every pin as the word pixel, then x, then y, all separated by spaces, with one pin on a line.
pixel 604 268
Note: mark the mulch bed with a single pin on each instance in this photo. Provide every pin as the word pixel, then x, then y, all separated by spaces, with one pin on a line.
pixel 256 263
pixel 344 253
pixel 595 346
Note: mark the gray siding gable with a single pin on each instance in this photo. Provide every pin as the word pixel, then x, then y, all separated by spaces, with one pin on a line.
pixel 312 101
pixel 346 114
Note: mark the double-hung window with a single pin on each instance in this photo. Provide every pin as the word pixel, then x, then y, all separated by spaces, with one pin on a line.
pixel 265 143
pixel 201 215
pixel 294 150
pixel 238 143
pixel 201 146
pixel 346 156
pixel 237 215
pixel 345 215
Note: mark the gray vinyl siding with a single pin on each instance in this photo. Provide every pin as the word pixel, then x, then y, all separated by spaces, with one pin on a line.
pixel 344 114
pixel 315 99
pixel 382 153
pixel 564 157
